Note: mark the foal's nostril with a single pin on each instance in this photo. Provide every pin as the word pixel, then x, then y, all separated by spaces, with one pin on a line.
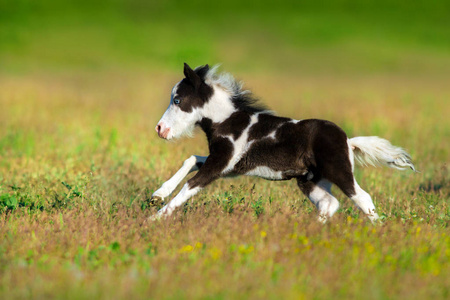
pixel 162 130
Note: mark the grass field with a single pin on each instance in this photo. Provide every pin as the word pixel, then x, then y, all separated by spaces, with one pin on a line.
pixel 83 84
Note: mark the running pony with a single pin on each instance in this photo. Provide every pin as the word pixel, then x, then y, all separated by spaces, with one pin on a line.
pixel 244 138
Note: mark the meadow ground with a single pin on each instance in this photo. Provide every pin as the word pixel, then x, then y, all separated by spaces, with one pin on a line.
pixel 79 160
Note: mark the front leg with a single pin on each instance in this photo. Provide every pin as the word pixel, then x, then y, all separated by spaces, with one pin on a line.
pixel 209 172
pixel 183 196
pixel 191 164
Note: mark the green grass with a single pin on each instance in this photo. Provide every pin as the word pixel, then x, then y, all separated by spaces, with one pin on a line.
pixel 83 84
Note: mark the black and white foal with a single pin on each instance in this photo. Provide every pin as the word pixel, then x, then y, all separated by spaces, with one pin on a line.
pixel 246 139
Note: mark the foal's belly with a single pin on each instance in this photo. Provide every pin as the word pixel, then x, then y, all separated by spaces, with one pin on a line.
pixel 266 173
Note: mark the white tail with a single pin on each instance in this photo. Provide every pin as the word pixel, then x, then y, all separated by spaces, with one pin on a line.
pixel 376 151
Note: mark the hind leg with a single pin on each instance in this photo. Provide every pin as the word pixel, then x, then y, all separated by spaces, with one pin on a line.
pixel 347 183
pixel 363 200
pixel 320 195
pixel 339 171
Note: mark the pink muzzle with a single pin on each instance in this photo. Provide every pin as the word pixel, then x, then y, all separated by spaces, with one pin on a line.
pixel 162 130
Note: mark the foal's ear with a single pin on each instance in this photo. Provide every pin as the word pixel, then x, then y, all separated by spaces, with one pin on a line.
pixel 192 76
pixel 201 71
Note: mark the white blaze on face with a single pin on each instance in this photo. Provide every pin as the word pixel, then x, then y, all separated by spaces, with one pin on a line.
pixel 175 123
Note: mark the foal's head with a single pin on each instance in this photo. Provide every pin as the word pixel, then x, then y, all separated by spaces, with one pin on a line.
pixel 201 94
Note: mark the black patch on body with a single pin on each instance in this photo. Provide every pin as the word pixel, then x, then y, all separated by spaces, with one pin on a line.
pixel 233 126
pixel 221 150
pixel 287 153
pixel 309 150
pixel 266 124
pixel 206 125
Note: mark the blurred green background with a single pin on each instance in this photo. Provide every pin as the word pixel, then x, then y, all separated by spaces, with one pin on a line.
pixel 337 36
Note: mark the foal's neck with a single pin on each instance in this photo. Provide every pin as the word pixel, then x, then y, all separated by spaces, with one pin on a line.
pixel 232 126
pixel 219 107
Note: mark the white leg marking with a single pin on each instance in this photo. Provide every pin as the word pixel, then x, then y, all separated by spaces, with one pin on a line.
pixel 322 198
pixel 364 202
pixel 179 199
pixel 189 165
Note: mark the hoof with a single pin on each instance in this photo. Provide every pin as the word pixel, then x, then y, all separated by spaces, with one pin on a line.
pixel 155 217
pixel 322 219
pixel 156 201
pixel 161 214
pixel 374 218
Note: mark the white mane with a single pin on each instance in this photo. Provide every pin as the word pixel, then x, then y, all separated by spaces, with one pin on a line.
pixel 226 81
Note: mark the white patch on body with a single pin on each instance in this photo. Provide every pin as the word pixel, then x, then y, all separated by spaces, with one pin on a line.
pixel 272 135
pixel 266 173
pixel 240 146
pixel 219 107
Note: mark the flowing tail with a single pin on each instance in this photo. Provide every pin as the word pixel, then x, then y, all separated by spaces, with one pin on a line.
pixel 375 151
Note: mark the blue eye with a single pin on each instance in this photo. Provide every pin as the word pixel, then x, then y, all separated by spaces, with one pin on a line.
pixel 176 101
